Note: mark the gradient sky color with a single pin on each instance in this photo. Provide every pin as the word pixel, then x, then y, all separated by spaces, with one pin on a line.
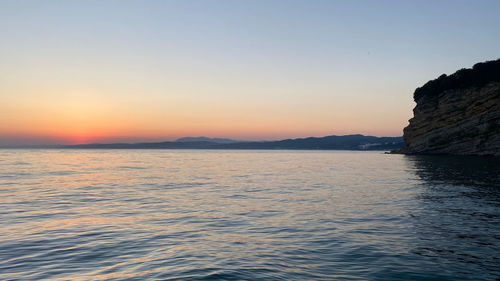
pixel 106 71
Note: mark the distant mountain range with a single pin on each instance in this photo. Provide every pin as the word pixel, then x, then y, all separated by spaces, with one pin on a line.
pixel 347 142
pixel 205 139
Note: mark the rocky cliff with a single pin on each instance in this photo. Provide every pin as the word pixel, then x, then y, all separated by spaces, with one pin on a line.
pixel 457 114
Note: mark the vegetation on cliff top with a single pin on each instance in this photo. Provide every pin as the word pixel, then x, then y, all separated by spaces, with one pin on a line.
pixel 479 75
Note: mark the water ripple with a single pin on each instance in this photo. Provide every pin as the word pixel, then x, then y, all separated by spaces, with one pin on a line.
pixel 247 215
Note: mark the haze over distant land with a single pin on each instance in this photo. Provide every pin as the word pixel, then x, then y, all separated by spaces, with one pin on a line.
pixel 347 142
pixel 75 72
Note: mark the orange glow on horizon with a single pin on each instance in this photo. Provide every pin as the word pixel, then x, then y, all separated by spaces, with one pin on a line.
pixel 74 136
pixel 86 117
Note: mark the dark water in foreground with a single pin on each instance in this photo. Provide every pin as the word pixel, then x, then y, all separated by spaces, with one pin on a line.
pixel 247 215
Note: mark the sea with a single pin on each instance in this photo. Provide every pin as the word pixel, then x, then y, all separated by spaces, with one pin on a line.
pixel 81 214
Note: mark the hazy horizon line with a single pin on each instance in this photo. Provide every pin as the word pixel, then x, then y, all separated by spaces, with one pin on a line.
pixel 160 140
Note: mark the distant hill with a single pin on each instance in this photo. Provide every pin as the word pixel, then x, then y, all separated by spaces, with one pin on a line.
pixel 347 142
pixel 205 139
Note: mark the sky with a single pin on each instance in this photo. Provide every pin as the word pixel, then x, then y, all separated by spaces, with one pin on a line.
pixel 125 71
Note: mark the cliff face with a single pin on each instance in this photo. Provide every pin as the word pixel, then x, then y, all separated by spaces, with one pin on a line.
pixel 457 114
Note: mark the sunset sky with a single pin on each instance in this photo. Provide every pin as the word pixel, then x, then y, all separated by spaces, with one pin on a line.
pixel 106 71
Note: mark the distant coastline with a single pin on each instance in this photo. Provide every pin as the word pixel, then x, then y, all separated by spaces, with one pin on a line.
pixel 345 142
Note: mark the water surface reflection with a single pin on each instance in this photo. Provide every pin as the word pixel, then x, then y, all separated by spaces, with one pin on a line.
pixel 457 220
pixel 246 215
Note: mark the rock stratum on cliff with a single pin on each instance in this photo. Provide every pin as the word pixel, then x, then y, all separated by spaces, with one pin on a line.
pixel 457 114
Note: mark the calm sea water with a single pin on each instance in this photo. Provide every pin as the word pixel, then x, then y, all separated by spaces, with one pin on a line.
pixel 247 215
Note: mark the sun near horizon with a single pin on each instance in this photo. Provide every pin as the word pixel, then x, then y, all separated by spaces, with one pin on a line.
pixel 126 71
